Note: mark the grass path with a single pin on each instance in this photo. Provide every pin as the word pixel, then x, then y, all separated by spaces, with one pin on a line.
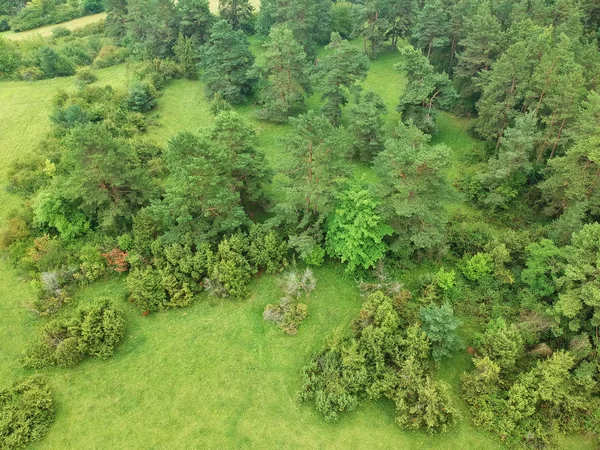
pixel 47 30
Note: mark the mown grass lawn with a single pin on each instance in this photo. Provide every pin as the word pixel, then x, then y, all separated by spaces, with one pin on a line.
pixel 214 375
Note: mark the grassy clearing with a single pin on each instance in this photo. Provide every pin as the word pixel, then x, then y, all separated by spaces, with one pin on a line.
pixel 47 30
pixel 214 375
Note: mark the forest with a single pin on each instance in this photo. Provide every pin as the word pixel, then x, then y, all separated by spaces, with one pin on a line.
pixel 364 224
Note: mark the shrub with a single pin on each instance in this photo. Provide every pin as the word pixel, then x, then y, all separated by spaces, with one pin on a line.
pixel 109 56
pixel 85 77
pixel 477 267
pixel 4 24
pixel 93 266
pixel 26 413
pixel 266 250
pixel 288 314
pixel 54 64
pixel 440 324
pixel 58 32
pixel 230 273
pixel 146 289
pixel 100 327
pixel 93 6
pixel 95 329
pixel 142 96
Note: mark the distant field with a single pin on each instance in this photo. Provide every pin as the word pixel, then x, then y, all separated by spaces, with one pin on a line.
pixel 47 30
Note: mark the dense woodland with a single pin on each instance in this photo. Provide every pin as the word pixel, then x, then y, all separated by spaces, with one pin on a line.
pixel 509 245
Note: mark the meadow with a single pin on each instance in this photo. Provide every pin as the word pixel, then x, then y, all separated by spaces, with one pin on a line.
pixel 213 375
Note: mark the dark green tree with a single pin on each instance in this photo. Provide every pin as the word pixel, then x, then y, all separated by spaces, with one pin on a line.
pixel 238 13
pixel 414 189
pixel 186 54
pixel 337 73
pixel 440 324
pixel 367 126
pixel 286 79
pixel 195 20
pixel 228 64
pixel 425 92
pixel 431 29
pixel 152 28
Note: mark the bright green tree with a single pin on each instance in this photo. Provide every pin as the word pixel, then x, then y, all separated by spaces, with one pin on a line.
pixel 355 231
pixel 187 56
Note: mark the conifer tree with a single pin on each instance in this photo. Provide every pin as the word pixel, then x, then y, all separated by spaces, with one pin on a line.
pixel 285 73
pixel 414 188
pixel 425 91
pixel 228 64
pixel 338 73
pixel 431 28
pixel 195 20
pixel 366 126
pixel 238 13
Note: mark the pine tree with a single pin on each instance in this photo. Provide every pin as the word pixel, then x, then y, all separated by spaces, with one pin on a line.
pixel 195 20
pixel 431 28
pixel 228 63
pixel 414 188
pixel 337 73
pixel 285 73
pixel 152 28
pixel 316 149
pixel 425 91
pixel 238 13
pixel 481 46
pixel 366 126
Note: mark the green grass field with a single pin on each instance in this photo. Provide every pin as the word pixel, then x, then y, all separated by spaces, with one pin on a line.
pixel 214 375
pixel 47 30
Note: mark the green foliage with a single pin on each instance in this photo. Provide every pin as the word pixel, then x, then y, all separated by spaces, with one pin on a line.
pixel 10 58
pixel 337 73
pixel 342 21
pixel 440 324
pixel 285 75
pixel 26 412
pixel 38 13
pixel 95 330
pixel 414 189
pixel 431 26
pixel 141 96
pixel 367 126
pixel 477 267
pixel 228 64
pixel 426 91
pixel 355 232
pixel 289 313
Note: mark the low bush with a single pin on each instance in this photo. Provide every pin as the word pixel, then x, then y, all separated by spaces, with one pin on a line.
pixel 289 313
pixel 95 330
pixel 26 413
